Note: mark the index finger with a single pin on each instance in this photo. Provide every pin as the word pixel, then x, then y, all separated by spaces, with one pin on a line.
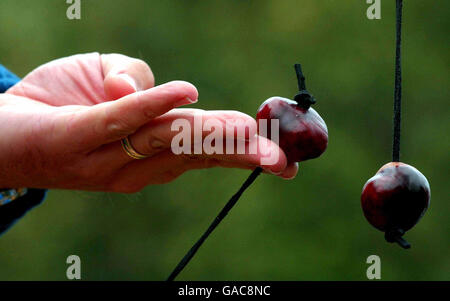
pixel 110 121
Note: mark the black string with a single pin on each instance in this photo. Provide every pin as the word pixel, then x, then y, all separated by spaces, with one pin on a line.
pixel 229 205
pixel 301 81
pixel 398 85
pixel 303 98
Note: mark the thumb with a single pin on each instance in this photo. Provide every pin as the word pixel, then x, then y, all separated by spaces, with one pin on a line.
pixel 119 85
pixel 124 75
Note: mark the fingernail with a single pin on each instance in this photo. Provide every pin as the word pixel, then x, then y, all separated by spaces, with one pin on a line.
pixel 277 173
pixel 128 79
pixel 289 178
pixel 185 101
pixel 293 175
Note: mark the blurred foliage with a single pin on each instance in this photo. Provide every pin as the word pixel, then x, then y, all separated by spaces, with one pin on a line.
pixel 238 53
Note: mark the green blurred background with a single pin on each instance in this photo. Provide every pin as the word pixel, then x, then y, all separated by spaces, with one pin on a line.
pixel 238 53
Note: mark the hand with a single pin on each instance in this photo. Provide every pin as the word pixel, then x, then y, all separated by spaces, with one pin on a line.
pixel 62 126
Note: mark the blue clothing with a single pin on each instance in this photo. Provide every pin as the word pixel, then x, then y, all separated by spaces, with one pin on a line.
pixel 13 211
pixel 7 79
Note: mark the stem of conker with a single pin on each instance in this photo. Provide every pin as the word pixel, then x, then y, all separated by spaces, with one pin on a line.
pixel 395 235
pixel 303 98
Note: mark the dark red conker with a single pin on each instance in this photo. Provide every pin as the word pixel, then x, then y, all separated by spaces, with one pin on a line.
pixel 395 199
pixel 303 133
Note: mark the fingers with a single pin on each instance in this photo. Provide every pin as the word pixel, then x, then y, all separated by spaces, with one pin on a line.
pixel 160 169
pixel 158 134
pixel 258 151
pixel 166 167
pixel 236 143
pixel 124 75
pixel 114 120
pixel 290 172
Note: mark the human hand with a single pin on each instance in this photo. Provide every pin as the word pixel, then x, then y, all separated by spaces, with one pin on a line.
pixel 61 129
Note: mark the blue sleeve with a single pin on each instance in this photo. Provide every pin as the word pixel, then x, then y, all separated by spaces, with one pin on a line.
pixel 13 211
pixel 7 79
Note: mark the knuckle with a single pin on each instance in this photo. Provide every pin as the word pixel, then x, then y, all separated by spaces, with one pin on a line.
pixel 150 114
pixel 146 108
pixel 152 146
pixel 118 127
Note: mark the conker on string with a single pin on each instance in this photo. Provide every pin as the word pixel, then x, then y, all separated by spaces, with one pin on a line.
pixel 303 134
pixel 395 199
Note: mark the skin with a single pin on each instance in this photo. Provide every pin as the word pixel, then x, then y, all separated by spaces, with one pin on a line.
pixel 62 126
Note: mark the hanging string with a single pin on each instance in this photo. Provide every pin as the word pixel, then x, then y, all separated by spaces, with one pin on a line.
pixel 229 205
pixel 305 99
pixel 398 84
pixel 396 234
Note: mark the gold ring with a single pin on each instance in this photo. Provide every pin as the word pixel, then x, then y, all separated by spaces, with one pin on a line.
pixel 130 151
